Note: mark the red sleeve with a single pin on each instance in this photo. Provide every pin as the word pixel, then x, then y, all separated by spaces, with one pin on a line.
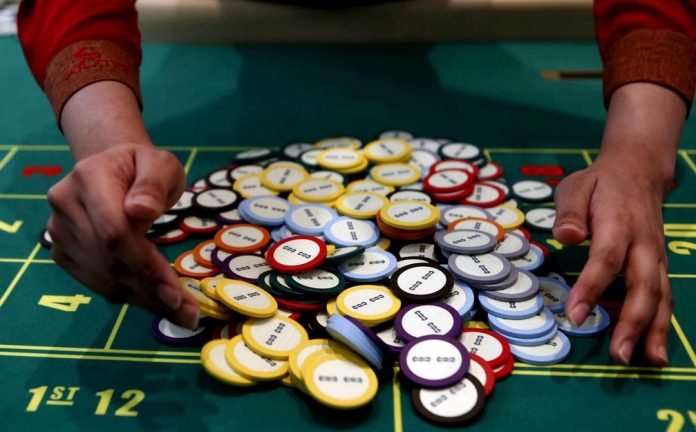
pixel 72 43
pixel 649 41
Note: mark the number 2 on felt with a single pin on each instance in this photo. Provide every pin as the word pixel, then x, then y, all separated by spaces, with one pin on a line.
pixel 675 419
pixel 64 303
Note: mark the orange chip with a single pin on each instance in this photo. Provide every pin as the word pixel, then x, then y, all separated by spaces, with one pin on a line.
pixel 242 238
pixel 202 253
pixel 187 266
pixel 492 227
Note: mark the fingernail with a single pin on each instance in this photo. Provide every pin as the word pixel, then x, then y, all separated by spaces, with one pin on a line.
pixel 578 314
pixel 625 351
pixel 170 296
pixel 568 225
pixel 662 355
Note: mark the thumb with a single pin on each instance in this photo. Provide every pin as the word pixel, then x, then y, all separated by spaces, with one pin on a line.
pixel 572 203
pixel 158 183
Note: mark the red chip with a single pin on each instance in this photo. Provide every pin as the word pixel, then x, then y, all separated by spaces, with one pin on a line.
pixel 487 344
pixel 490 374
pixel 297 254
pixel 298 306
pixel 485 195
pixel 447 181
pixel 502 372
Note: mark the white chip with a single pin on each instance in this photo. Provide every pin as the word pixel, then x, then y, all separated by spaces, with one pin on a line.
pixel 532 190
pixel 425 320
pixel 541 218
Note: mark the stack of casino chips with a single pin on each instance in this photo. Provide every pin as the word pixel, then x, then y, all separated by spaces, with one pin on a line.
pixel 325 264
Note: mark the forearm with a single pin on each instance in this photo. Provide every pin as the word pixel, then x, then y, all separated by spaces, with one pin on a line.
pixel 644 124
pixel 100 116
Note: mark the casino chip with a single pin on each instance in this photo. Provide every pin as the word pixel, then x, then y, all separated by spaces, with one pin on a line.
pixel 297 254
pixel 371 266
pixel 242 238
pixel 421 282
pixel 485 268
pixel 434 361
pixel 418 320
pixel 554 351
pixel 460 151
pixel 369 304
pixel 251 365
pixel 468 242
pixel 532 191
pixel 525 287
pixel 247 267
pixel 339 380
pixel 275 337
pixel 345 231
pixel 527 328
pixel 169 333
pixel 456 404
pixel 487 344
pixel 597 321
pixel 360 205
pixel 541 218
pixel 511 309
pixel 214 362
pixel 215 200
pixel 246 299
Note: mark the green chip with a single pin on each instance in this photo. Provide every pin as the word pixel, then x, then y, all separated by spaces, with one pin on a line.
pixel 342 254
pixel 317 282
pixel 280 285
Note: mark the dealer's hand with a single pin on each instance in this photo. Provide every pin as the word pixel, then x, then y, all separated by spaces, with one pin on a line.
pixel 618 200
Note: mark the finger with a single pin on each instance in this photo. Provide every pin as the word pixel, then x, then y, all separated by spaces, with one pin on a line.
pixel 642 299
pixel 118 240
pixel 606 259
pixel 656 339
pixel 572 198
pixel 159 181
pixel 186 316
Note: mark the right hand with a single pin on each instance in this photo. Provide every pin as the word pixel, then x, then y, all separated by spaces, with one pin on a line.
pixel 101 211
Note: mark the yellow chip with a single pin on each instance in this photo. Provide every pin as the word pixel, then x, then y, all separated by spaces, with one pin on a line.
pixel 369 186
pixel 476 324
pixel 361 205
pixel 209 286
pixel 287 381
pixel 250 185
pixel 252 366
pixel 386 150
pixel 507 216
pixel 338 142
pixel 303 351
pixel 410 215
pixel 396 174
pixel 370 304
pixel 192 286
pixel 318 190
pixel 331 306
pixel 357 169
pixel 283 176
pixel 273 337
pixel 214 362
pixel 246 299
pixel 342 381
pixel 330 249
pixel 292 199
pixel 383 243
pixel 340 158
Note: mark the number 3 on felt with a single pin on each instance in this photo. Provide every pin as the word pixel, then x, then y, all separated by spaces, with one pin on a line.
pixel 64 303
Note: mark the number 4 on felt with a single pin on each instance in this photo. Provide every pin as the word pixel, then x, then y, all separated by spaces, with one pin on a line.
pixel 64 303
pixel 13 228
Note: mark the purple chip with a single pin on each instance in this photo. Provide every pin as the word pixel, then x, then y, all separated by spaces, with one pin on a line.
pixel 169 333
pixel 246 267
pixel 419 320
pixel 434 361
pixel 504 284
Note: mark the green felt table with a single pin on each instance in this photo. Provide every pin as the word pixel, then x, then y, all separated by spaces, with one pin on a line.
pixel 98 367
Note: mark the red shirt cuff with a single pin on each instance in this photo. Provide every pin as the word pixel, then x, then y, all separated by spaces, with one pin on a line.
pixel 663 57
pixel 86 62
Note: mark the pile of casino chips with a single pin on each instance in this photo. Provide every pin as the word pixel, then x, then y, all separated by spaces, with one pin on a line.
pixel 326 263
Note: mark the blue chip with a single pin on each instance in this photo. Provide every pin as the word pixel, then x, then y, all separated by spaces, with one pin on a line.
pixel 539 340
pixel 309 219
pixel 554 292
pixel 267 211
pixel 344 331
pixel 276 234
pixel 346 231
pixel 532 260
pixel 535 326
pixel 461 297
pixel 597 321
pixel 554 351
pixel 511 309
pixel 372 265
